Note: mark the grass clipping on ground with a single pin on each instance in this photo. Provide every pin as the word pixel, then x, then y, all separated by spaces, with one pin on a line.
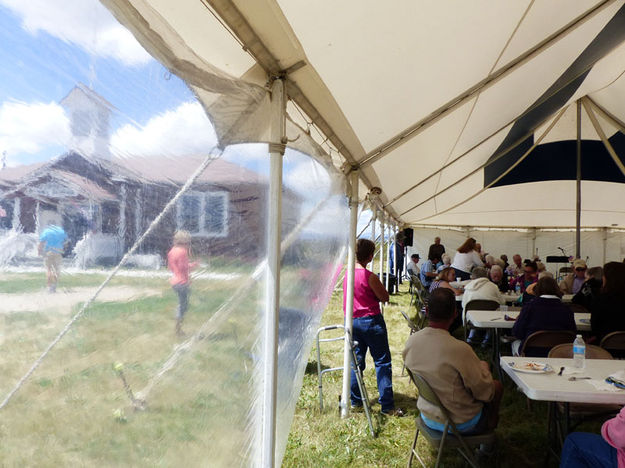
pixel 323 439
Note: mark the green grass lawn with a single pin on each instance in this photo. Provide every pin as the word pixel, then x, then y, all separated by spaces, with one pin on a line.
pixel 74 411
pixel 323 439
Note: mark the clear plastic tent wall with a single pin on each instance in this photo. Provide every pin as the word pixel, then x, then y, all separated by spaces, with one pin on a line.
pixel 101 364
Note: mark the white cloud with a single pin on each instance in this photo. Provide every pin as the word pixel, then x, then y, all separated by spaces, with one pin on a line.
pixel 185 130
pixel 85 23
pixel 27 128
pixel 308 177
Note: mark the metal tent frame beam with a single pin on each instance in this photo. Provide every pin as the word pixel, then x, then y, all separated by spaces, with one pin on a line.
pixel 252 43
pixel 474 90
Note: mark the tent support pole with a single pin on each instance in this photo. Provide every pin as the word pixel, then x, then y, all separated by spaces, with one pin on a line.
pixel 373 223
pixel 389 228
pixel 349 303
pixel 578 183
pixel 605 244
pixel 373 228
pixel 382 255
pixel 272 283
pixel 609 117
pixel 602 135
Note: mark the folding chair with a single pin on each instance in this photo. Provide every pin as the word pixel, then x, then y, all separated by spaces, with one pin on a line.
pixel 539 343
pixel 418 290
pixel 614 343
pixel 565 350
pixel 577 308
pixel 413 287
pixel 414 328
pixel 477 304
pixel 462 443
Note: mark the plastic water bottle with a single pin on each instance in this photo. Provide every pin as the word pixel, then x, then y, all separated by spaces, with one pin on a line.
pixel 579 352
pixel 517 288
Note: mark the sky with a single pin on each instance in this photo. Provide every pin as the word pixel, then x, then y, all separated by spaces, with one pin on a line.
pixel 47 47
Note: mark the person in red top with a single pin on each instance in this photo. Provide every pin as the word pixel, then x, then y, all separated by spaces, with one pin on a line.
pixel 369 329
pixel 178 263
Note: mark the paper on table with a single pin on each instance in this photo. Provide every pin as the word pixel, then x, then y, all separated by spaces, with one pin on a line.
pixel 569 370
pixel 603 386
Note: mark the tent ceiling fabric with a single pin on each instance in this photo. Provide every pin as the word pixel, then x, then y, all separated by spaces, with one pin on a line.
pixel 366 73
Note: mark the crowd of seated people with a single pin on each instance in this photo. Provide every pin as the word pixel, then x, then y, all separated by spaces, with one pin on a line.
pixel 601 290
pixel 462 382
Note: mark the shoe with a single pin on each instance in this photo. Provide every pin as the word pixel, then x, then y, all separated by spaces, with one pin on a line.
pixel 487 340
pixel 397 412
pixel 475 336
pixel 357 408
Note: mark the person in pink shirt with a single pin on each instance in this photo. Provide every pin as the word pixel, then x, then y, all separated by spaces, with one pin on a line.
pixel 178 263
pixel 582 449
pixel 369 329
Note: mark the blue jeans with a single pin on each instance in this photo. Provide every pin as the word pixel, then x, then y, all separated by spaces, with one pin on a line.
pixel 582 449
pixel 462 275
pixel 370 333
pixel 183 299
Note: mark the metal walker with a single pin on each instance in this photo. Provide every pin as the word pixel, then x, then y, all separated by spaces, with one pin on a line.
pixel 361 385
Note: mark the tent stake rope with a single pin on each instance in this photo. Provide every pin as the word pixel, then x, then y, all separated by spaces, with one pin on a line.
pixel 132 250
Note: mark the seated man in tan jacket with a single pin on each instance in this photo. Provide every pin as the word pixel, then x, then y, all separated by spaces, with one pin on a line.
pixel 462 382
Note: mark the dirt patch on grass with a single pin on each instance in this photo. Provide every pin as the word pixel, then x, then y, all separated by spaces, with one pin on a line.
pixel 65 298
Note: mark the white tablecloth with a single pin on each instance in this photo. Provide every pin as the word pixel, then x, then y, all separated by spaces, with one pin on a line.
pixel 495 319
pixel 552 387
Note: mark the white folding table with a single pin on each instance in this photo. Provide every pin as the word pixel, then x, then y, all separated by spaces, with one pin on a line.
pixel 494 319
pixel 555 388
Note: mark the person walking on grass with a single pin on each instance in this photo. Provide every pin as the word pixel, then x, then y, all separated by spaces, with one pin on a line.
pixel 369 329
pixel 51 246
pixel 178 263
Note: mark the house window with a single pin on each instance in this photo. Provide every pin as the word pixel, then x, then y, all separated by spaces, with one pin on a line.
pixel 204 214
pixel 189 213
pixel 6 214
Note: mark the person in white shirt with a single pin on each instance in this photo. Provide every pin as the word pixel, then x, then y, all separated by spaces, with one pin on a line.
pixel 465 259
pixel 413 268
pixel 446 263
pixel 480 288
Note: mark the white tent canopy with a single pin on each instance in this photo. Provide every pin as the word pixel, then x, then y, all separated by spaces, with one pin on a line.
pixel 462 115
pixel 436 106
pixel 420 96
